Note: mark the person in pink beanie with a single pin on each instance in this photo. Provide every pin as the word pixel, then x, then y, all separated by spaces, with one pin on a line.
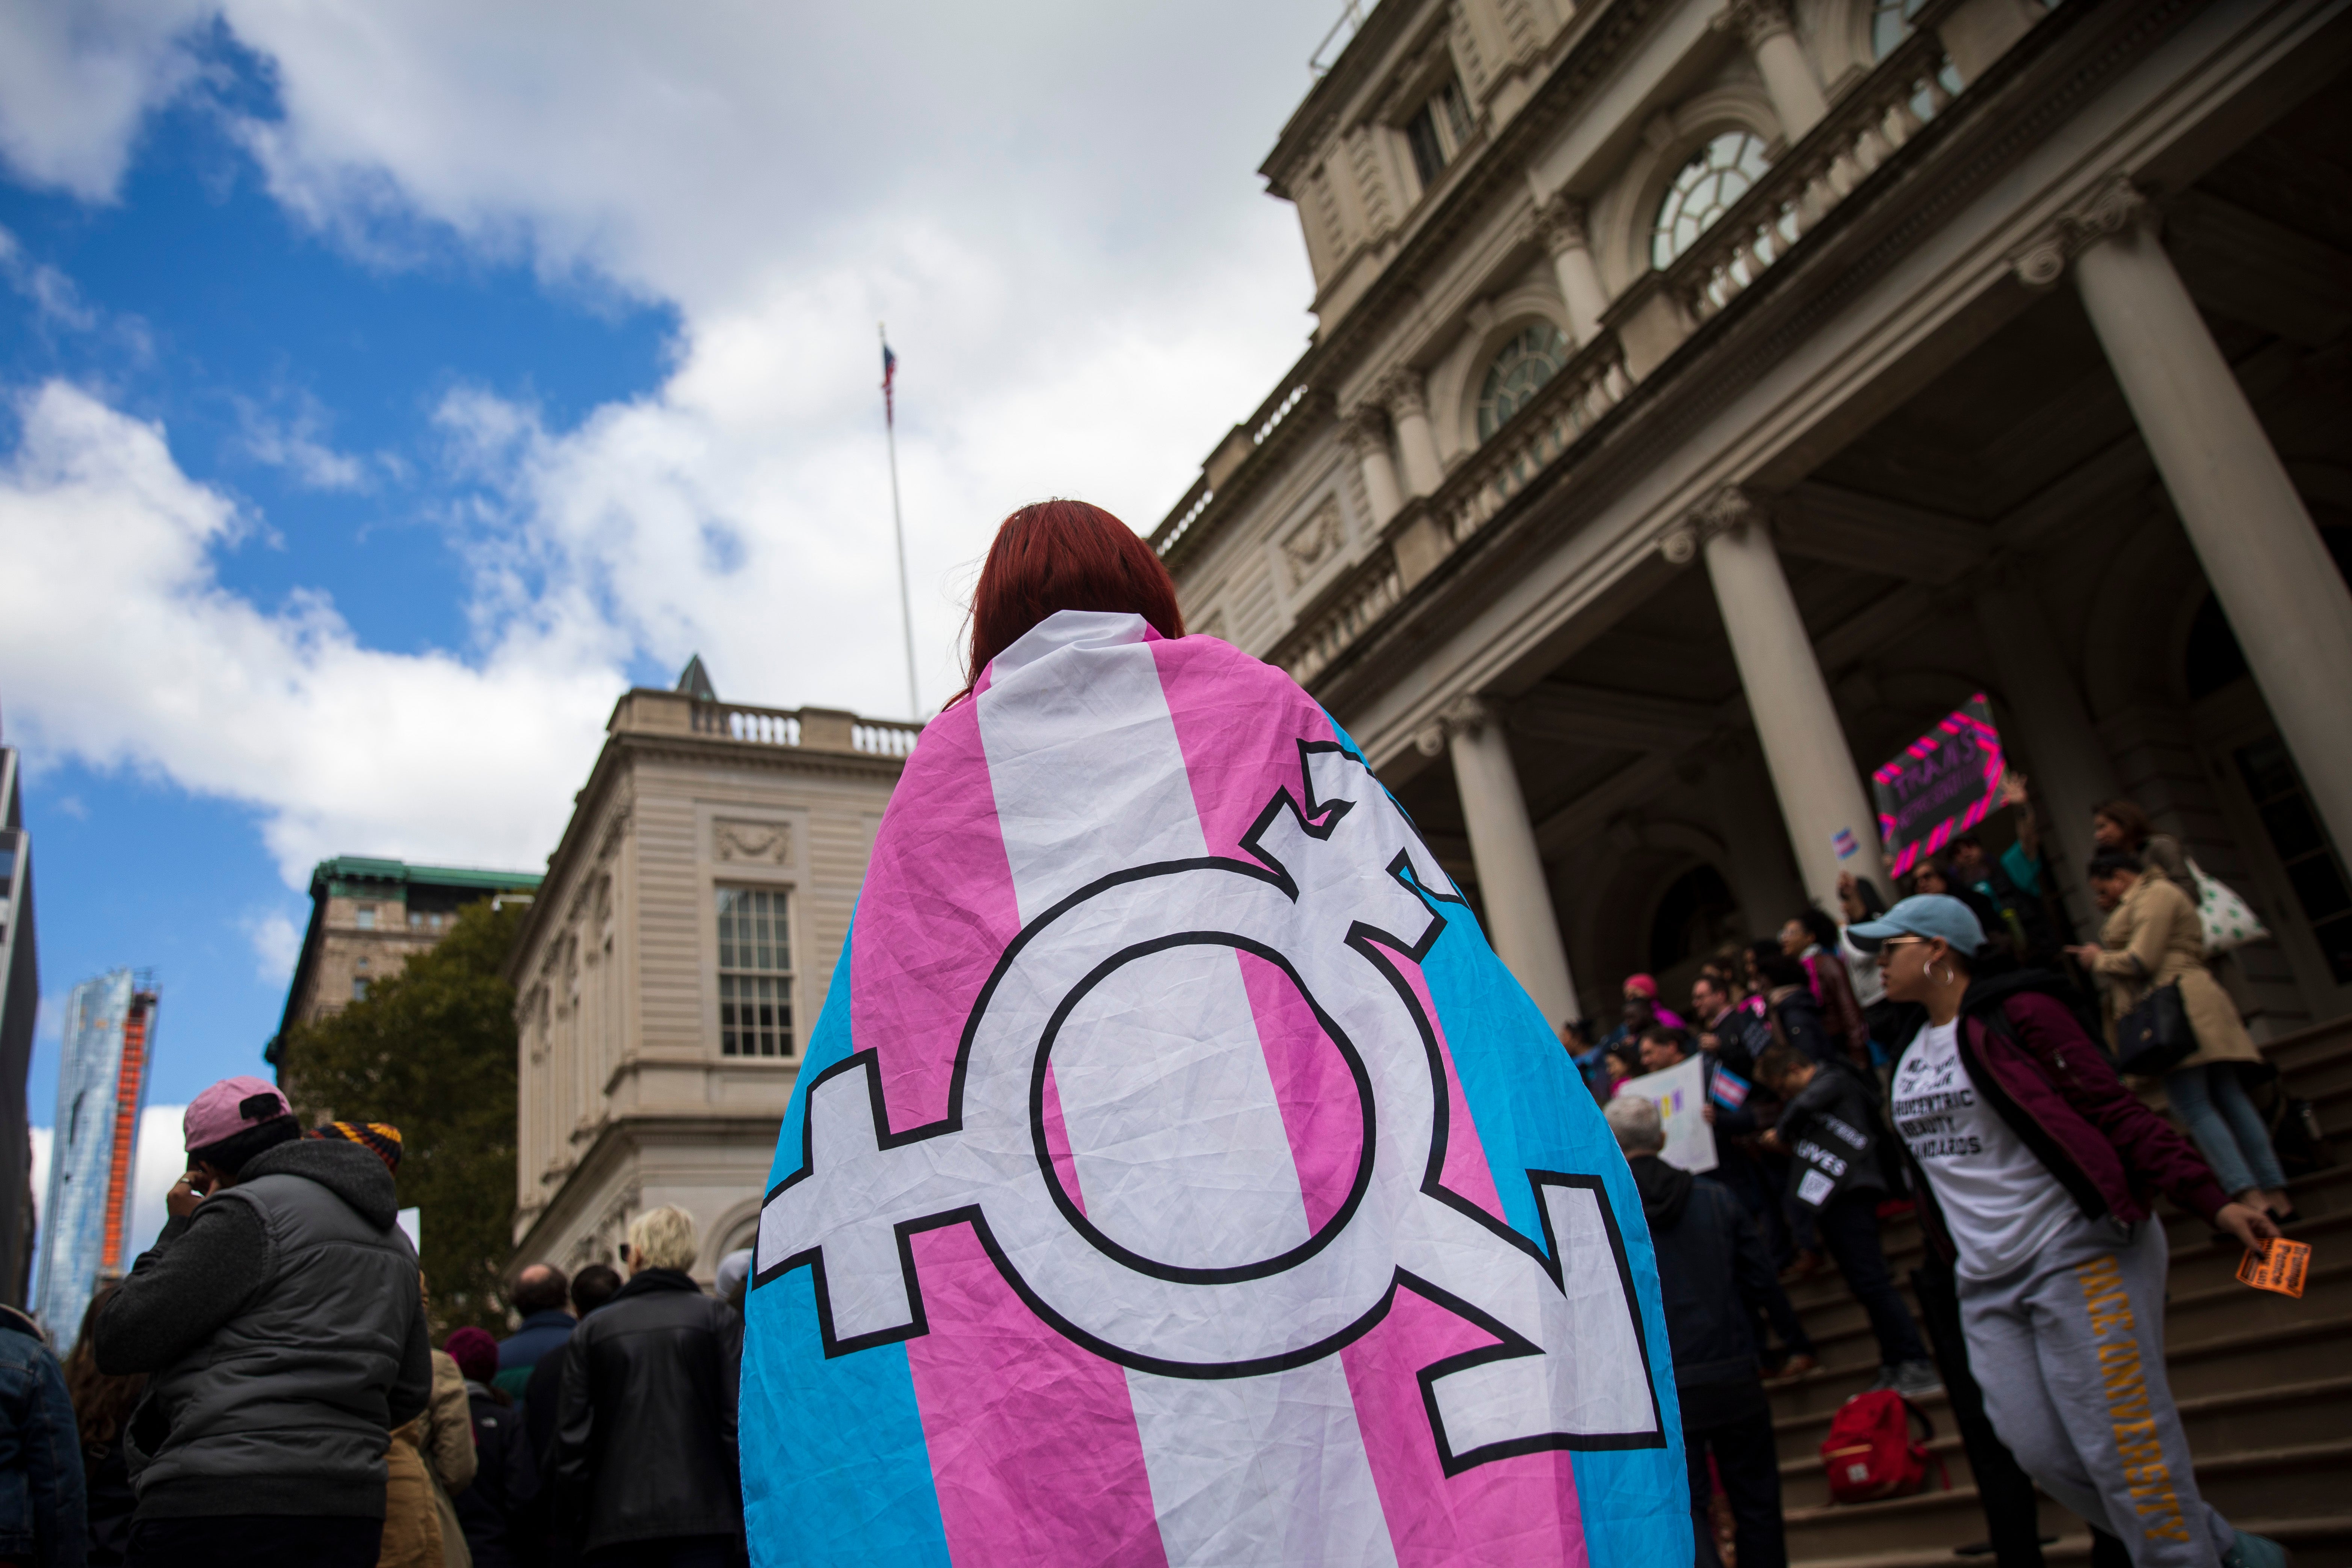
pixel 279 1320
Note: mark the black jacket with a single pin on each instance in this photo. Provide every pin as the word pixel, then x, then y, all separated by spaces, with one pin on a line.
pixel 1713 1277
pixel 1835 1139
pixel 645 1437
pixel 284 1323
pixel 41 1517
pixel 505 1479
pixel 1796 1018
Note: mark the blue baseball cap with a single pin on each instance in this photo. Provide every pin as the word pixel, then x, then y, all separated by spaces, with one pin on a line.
pixel 1927 914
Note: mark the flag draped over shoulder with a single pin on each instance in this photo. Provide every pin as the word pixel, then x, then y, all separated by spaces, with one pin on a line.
pixel 1175 1175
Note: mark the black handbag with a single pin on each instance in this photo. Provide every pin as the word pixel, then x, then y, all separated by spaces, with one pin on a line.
pixel 2154 1038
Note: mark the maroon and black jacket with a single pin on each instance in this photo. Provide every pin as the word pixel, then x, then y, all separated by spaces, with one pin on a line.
pixel 2028 1058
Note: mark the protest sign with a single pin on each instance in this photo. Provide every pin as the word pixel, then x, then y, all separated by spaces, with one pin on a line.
pixel 1942 784
pixel 1680 1093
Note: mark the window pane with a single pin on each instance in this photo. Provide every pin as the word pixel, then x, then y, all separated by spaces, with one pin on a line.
pixel 1704 190
pixel 755 1016
pixel 2336 941
pixel 1428 157
pixel 2293 830
pixel 2319 887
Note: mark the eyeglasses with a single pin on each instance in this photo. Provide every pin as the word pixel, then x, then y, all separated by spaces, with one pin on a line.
pixel 1892 941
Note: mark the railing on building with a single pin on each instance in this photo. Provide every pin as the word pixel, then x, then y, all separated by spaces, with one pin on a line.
pixel 804 729
pixel 1335 42
pixel 761 726
pixel 1910 86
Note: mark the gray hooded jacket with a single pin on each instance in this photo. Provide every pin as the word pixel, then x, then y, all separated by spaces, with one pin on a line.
pixel 284 1327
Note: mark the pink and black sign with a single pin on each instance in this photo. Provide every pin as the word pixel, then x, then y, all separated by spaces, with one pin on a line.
pixel 1942 783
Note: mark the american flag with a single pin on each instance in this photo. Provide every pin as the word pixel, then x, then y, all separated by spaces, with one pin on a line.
pixel 889 374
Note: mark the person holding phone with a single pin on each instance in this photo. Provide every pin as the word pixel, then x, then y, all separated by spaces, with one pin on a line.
pixel 278 1318
pixel 2038 1169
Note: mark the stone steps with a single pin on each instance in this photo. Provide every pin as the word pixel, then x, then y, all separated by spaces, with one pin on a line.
pixel 2264 1381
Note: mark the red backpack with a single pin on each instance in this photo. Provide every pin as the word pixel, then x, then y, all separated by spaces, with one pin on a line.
pixel 1870 1452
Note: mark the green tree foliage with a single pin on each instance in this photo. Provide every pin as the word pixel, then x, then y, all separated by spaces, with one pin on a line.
pixel 432 1051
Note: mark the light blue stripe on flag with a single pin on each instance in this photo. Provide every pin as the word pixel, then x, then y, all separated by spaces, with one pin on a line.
pixel 1534 1113
pixel 836 1472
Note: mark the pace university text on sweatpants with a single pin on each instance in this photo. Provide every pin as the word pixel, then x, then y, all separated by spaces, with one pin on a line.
pixel 2070 1350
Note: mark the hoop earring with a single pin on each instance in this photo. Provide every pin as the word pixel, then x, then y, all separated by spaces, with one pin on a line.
pixel 1945 980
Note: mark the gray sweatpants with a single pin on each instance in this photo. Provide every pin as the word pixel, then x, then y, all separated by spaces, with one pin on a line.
pixel 2069 1351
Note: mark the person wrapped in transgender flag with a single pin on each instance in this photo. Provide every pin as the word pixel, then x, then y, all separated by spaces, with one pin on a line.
pixel 1175 1175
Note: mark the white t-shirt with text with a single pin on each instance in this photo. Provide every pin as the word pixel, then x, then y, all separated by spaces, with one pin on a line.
pixel 2000 1202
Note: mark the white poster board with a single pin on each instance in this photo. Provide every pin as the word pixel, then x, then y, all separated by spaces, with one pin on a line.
pixel 1680 1095
pixel 412 1225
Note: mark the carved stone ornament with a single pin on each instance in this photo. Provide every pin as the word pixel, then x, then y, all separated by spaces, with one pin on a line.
pixel 1465 715
pixel 1559 226
pixel 1679 546
pixel 1312 542
pixel 751 843
pixel 1754 20
pixel 1364 429
pixel 1728 511
pixel 2116 205
pixel 1402 393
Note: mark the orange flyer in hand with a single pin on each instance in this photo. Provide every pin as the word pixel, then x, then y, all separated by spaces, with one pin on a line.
pixel 2281 1265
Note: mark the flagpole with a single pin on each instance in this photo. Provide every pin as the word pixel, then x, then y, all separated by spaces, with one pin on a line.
pixel 899 528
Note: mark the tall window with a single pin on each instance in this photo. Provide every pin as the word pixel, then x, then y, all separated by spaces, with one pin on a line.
pixel 755 973
pixel 1704 190
pixel 1526 362
pixel 364 917
pixel 1438 131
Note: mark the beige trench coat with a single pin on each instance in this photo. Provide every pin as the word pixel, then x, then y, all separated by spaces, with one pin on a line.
pixel 2154 938
pixel 431 1456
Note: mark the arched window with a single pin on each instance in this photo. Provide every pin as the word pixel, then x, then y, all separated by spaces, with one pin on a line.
pixel 1704 190
pixel 1531 358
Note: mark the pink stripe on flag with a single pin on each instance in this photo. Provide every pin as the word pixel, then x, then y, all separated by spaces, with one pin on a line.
pixel 1033 1441
pixel 1239 723
pixel 920 958
pixel 1321 1109
pixel 1057 1143
pixel 1521 1512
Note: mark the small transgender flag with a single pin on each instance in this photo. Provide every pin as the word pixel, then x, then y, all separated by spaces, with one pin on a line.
pixel 1730 1091
pixel 889 374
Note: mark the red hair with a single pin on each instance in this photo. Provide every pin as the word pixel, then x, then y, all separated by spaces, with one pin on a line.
pixel 1064 555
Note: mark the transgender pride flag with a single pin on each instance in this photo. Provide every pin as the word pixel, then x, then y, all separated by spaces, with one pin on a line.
pixel 1176 1176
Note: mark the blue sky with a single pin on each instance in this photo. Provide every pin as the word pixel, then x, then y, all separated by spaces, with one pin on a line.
pixel 382 391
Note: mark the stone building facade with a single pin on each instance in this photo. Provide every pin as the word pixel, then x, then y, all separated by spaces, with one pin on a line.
pixel 1705 398
pixel 677 955
pixel 369 916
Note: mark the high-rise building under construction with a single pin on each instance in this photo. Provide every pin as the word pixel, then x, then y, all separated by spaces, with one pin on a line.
pixel 109 1034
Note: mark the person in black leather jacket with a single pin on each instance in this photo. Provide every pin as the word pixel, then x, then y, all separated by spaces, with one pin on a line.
pixel 643 1461
pixel 1712 1279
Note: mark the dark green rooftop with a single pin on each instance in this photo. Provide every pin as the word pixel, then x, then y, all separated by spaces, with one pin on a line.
pixel 357 876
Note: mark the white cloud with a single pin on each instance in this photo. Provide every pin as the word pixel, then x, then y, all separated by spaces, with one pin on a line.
pixel 1051 203
pixel 277 943
pixel 76 81
pixel 52 293
pixel 342 747
pixel 295 442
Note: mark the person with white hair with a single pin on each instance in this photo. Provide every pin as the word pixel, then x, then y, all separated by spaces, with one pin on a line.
pixel 644 1459
pixel 1713 1278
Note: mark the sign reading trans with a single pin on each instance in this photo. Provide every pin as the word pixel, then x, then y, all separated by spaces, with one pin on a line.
pixel 1944 783
pixel 1185 1175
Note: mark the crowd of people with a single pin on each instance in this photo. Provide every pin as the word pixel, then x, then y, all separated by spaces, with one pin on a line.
pixel 261 1386
pixel 1959 1058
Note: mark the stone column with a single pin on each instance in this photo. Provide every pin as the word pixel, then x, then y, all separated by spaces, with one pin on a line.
pixel 1511 883
pixel 1804 747
pixel 1408 406
pixel 2274 576
pixel 1788 81
pixel 1560 228
pixel 2072 772
pixel 1366 436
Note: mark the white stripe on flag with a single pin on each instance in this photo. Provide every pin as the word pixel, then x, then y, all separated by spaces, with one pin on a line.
pixel 1089 777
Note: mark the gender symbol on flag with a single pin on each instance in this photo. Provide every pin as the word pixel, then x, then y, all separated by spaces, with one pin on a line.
pixel 1336 887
